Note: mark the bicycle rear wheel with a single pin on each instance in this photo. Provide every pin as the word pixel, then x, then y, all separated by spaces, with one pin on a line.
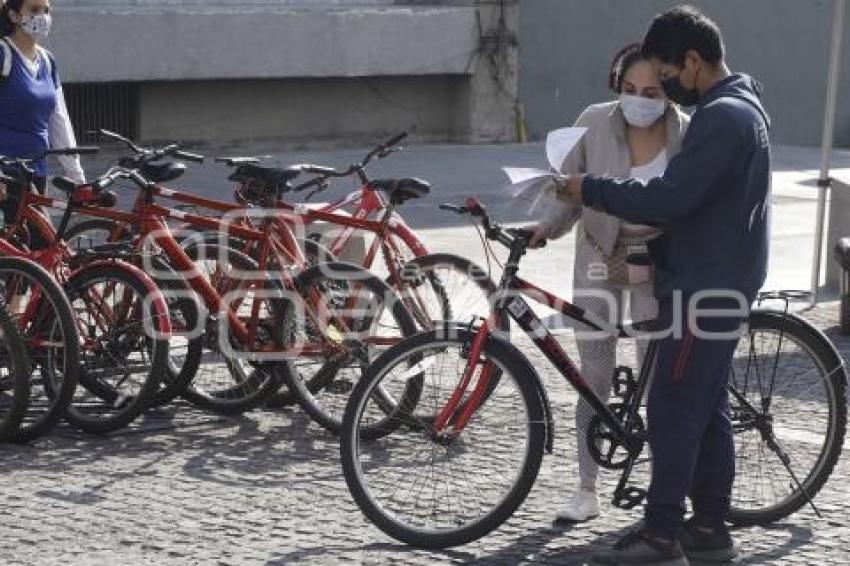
pixel 228 381
pixel 445 288
pixel 124 345
pixel 46 322
pixel 430 491
pixel 363 317
pixel 787 392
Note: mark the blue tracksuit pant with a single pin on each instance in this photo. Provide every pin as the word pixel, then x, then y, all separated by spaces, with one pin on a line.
pixel 689 427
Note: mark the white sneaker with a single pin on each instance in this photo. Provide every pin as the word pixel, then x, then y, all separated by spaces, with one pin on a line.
pixel 583 505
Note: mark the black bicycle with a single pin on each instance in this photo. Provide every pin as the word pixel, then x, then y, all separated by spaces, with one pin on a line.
pixel 452 478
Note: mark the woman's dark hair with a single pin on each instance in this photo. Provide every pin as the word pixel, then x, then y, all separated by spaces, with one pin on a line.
pixel 623 61
pixel 679 29
pixel 6 24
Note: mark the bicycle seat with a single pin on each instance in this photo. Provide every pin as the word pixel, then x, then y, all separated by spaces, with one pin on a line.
pixel 270 177
pixel 162 172
pixel 842 253
pixel 401 190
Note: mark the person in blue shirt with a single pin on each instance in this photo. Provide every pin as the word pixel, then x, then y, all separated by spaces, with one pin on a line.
pixel 713 204
pixel 33 113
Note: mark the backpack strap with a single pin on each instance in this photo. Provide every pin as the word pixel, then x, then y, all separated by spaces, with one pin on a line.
pixel 51 65
pixel 5 60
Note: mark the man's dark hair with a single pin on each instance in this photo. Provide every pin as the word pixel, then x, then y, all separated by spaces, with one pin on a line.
pixel 679 29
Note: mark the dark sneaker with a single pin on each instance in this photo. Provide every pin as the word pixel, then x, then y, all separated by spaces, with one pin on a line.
pixel 640 547
pixel 713 547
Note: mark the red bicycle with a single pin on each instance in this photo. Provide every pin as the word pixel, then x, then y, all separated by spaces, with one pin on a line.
pixel 457 475
pixel 434 287
pixel 263 324
pixel 117 322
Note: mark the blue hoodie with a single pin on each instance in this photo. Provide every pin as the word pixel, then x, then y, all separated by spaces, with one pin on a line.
pixel 713 201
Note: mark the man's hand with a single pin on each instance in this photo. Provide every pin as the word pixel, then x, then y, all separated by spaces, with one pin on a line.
pixel 569 190
pixel 539 233
pixel 4 193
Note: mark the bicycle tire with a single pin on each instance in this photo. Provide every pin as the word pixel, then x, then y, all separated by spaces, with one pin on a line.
pixel 432 262
pixel 13 354
pixel 157 349
pixel 315 253
pixel 308 390
pixel 48 406
pixel 509 359
pixel 234 400
pixel 176 292
pixel 831 365
pixel 184 311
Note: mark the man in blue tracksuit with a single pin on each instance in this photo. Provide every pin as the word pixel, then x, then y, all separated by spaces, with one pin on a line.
pixel 713 203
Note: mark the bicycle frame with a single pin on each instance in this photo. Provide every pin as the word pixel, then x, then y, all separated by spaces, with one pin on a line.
pixel 368 202
pixel 292 216
pixel 275 240
pixel 56 256
pixel 512 289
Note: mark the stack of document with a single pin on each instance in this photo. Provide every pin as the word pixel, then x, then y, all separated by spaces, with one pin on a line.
pixel 536 186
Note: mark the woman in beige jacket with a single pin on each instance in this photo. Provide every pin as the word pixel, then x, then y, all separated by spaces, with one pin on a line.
pixel 632 137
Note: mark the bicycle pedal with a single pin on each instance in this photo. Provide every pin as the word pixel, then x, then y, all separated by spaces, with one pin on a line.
pixel 629 498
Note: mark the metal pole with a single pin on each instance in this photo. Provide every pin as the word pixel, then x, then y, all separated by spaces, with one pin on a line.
pixel 828 136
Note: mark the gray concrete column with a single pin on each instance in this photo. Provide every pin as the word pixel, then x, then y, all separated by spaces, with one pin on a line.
pixel 492 99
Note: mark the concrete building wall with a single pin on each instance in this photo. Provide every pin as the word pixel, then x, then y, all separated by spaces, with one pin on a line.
pixel 178 42
pixel 314 112
pixel 302 71
pixel 567 47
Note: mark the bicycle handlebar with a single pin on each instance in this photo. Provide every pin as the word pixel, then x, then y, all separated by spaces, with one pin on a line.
pixel 106 180
pixel 149 155
pixel 508 237
pixel 324 173
pixel 381 151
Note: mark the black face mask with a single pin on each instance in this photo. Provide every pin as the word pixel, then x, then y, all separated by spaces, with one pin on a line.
pixel 676 92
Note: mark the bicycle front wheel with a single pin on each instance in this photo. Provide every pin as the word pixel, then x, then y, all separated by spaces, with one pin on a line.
pixel 422 488
pixel 41 310
pixel 14 377
pixel 789 414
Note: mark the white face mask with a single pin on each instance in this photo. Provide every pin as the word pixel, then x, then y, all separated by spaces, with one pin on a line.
pixel 640 111
pixel 37 26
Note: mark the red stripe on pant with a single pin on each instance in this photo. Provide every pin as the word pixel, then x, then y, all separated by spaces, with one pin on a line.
pixel 684 356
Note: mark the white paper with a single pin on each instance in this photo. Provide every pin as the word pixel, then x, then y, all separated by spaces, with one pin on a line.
pixel 536 186
pixel 560 143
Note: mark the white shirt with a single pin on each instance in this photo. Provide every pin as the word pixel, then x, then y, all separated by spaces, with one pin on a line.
pixel 60 131
pixel 651 170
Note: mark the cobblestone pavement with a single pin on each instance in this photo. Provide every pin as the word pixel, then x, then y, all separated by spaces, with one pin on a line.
pixel 184 487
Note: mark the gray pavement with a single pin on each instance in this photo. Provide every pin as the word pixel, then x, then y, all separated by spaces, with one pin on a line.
pixel 185 487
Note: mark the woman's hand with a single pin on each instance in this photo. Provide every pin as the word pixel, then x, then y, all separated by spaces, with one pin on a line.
pixel 4 194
